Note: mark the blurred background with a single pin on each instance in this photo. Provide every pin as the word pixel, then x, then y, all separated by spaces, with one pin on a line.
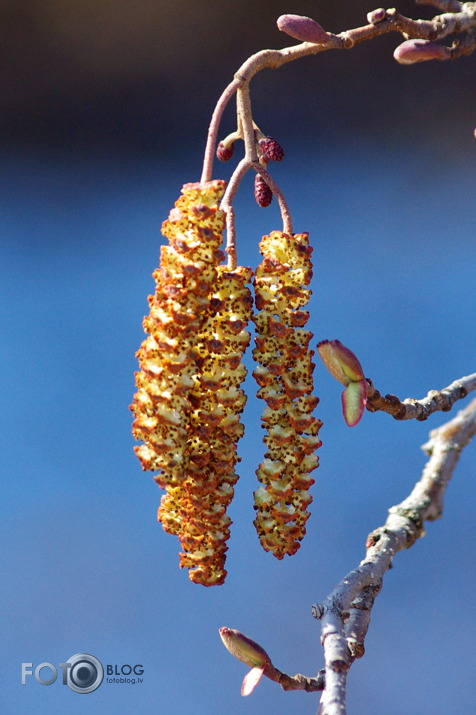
pixel 104 109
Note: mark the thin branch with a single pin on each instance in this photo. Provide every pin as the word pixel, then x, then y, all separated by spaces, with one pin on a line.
pixel 207 170
pixel 343 628
pixel 463 47
pixel 283 204
pixel 411 409
pixel 443 5
pixel 459 17
pixel 227 206
pixel 345 613
pixel 296 682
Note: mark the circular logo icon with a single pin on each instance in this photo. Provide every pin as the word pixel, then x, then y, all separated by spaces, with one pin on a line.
pixel 85 674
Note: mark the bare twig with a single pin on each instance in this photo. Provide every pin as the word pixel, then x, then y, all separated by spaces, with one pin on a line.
pixel 296 682
pixel 411 409
pixel 345 613
pixel 343 626
pixel 207 170
pixel 463 47
pixel 457 17
pixel 443 5
pixel 227 206
pixel 283 205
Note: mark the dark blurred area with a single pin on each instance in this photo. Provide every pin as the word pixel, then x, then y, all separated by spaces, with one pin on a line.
pixel 143 76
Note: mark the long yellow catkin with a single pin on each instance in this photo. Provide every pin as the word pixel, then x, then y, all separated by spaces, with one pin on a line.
pixel 284 374
pixel 188 402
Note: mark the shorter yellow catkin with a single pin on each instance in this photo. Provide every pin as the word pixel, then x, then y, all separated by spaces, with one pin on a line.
pixel 189 398
pixel 284 374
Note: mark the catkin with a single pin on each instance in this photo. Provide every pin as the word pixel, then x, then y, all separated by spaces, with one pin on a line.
pixel 284 376
pixel 188 401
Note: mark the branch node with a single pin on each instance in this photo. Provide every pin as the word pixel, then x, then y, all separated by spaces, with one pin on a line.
pixel 317 611
pixel 347 41
pixel 357 650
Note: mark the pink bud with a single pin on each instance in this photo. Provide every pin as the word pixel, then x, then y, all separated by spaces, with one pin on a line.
pixel 354 399
pixel 377 15
pixel 345 367
pixel 412 51
pixel 302 28
pixel 249 652
pixel 244 648
pixel 340 361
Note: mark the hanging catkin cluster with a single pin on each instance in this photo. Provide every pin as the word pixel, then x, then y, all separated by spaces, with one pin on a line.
pixel 284 374
pixel 188 402
pixel 189 399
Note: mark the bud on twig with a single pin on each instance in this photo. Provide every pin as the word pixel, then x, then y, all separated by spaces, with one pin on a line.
pixel 249 652
pixel 224 152
pixel 345 367
pixel 340 361
pixel 263 193
pixel 271 149
pixel 244 648
pixel 354 398
pixel 377 15
pixel 412 51
pixel 302 28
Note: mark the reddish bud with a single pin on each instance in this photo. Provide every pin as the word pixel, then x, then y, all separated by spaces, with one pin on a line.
pixel 224 153
pixel 412 51
pixel 271 149
pixel 376 15
pixel 345 367
pixel 340 361
pixel 263 193
pixel 302 28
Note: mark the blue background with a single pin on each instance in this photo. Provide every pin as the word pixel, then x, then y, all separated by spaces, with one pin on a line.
pixel 88 569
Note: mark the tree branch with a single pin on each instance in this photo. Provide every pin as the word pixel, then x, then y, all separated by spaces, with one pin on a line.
pixel 457 17
pixel 345 614
pixel 296 682
pixel 443 5
pixel 411 409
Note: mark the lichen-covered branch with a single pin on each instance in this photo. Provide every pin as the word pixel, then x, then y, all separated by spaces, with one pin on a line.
pixel 345 614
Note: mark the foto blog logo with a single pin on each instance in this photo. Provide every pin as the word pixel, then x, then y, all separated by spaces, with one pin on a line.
pixel 83 673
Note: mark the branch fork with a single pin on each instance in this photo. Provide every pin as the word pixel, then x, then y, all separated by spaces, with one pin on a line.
pixel 419 45
pixel 345 613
